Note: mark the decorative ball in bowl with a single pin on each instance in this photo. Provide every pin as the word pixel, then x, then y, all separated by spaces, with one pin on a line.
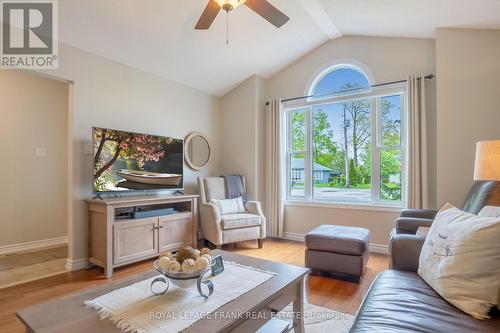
pixel 185 269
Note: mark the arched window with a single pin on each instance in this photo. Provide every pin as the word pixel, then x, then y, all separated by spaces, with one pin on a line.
pixel 338 79
pixel 346 143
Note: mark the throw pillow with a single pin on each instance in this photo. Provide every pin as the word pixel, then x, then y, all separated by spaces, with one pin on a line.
pixel 491 211
pixel 229 206
pixel 460 260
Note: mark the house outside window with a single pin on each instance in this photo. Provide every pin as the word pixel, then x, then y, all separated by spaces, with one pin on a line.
pixel 348 141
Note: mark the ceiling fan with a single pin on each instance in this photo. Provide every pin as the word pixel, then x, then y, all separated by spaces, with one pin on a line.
pixel 261 7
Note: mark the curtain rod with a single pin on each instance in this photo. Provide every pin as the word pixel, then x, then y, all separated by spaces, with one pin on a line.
pixel 429 77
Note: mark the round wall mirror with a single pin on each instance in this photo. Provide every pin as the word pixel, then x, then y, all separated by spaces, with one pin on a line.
pixel 197 151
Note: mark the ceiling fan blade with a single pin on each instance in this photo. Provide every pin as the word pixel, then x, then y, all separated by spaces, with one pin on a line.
pixel 208 16
pixel 268 11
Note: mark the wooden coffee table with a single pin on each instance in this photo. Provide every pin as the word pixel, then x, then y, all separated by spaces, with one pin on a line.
pixel 68 314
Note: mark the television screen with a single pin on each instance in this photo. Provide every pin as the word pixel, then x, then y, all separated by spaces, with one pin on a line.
pixel 125 161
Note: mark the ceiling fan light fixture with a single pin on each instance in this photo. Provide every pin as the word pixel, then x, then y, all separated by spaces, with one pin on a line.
pixel 228 5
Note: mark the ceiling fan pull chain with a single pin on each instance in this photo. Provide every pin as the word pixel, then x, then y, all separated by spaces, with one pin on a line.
pixel 227 27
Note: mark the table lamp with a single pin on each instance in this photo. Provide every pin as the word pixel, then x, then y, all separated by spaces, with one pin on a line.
pixel 487 165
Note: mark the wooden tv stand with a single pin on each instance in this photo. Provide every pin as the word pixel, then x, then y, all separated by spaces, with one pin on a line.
pixel 115 239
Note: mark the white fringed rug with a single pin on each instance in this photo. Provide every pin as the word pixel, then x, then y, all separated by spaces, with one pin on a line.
pixel 135 309
pixel 321 320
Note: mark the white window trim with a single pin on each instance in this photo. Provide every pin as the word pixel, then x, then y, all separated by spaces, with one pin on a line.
pixel 373 93
pixel 344 205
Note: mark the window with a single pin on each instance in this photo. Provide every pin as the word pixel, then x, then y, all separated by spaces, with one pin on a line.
pixel 297 175
pixel 347 142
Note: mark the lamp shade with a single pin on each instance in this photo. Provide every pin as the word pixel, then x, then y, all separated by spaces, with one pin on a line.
pixel 487 165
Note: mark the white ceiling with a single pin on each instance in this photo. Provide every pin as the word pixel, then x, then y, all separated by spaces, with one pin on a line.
pixel 158 36
pixel 410 18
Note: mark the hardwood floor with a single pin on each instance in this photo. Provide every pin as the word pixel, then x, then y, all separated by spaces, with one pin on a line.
pixel 29 266
pixel 327 292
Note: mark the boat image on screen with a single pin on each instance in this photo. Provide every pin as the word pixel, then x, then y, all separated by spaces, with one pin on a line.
pixel 125 161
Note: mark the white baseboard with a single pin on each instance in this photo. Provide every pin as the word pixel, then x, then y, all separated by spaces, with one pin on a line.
pixel 374 248
pixel 379 248
pixel 294 237
pixel 74 265
pixel 35 245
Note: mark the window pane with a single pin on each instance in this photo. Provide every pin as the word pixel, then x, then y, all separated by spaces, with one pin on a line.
pixel 390 121
pixel 341 80
pixel 297 175
pixel 390 175
pixel 342 151
pixel 298 130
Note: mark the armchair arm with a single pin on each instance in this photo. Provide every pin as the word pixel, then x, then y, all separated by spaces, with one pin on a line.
pixel 254 207
pixel 419 213
pixel 410 225
pixel 211 223
pixel 405 252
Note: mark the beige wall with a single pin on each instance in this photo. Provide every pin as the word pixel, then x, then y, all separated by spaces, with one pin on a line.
pixel 34 114
pixel 241 122
pixel 388 59
pixel 468 103
pixel 113 95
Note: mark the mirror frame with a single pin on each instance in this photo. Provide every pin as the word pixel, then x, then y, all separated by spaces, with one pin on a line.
pixel 187 140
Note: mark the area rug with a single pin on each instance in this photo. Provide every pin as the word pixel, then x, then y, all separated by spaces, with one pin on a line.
pixel 321 320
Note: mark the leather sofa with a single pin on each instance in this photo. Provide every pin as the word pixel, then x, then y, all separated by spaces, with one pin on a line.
pixel 400 301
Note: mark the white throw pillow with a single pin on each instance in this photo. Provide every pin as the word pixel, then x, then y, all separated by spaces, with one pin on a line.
pixel 491 211
pixel 229 206
pixel 460 260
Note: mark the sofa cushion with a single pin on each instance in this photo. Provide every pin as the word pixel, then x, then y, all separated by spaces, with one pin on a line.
pixel 338 239
pixel 460 260
pixel 400 301
pixel 215 188
pixel 240 220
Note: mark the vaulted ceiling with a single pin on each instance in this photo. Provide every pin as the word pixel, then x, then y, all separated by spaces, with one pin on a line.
pixel 158 36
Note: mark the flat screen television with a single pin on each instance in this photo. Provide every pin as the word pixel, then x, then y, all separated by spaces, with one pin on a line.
pixel 126 161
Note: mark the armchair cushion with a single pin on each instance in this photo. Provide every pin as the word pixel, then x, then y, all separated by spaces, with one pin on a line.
pixel 240 220
pixel 419 213
pixel 214 188
pixel 410 225
pixel 229 206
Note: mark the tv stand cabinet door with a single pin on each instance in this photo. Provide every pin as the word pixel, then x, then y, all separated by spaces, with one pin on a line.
pixel 175 233
pixel 135 240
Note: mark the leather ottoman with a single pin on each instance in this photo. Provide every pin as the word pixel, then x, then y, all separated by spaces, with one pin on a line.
pixel 339 250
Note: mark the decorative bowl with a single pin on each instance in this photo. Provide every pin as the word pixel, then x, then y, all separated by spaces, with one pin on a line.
pixel 184 280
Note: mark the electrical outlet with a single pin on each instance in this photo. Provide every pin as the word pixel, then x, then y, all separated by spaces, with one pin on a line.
pixel 41 152
pixel 88 149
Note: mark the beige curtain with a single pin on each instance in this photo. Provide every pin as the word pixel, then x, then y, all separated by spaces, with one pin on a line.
pixel 274 168
pixel 417 144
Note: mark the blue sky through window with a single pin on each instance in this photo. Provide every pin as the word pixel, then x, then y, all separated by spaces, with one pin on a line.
pixel 336 80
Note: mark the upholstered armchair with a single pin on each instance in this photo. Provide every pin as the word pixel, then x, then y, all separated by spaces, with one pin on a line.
pixel 405 245
pixel 229 228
